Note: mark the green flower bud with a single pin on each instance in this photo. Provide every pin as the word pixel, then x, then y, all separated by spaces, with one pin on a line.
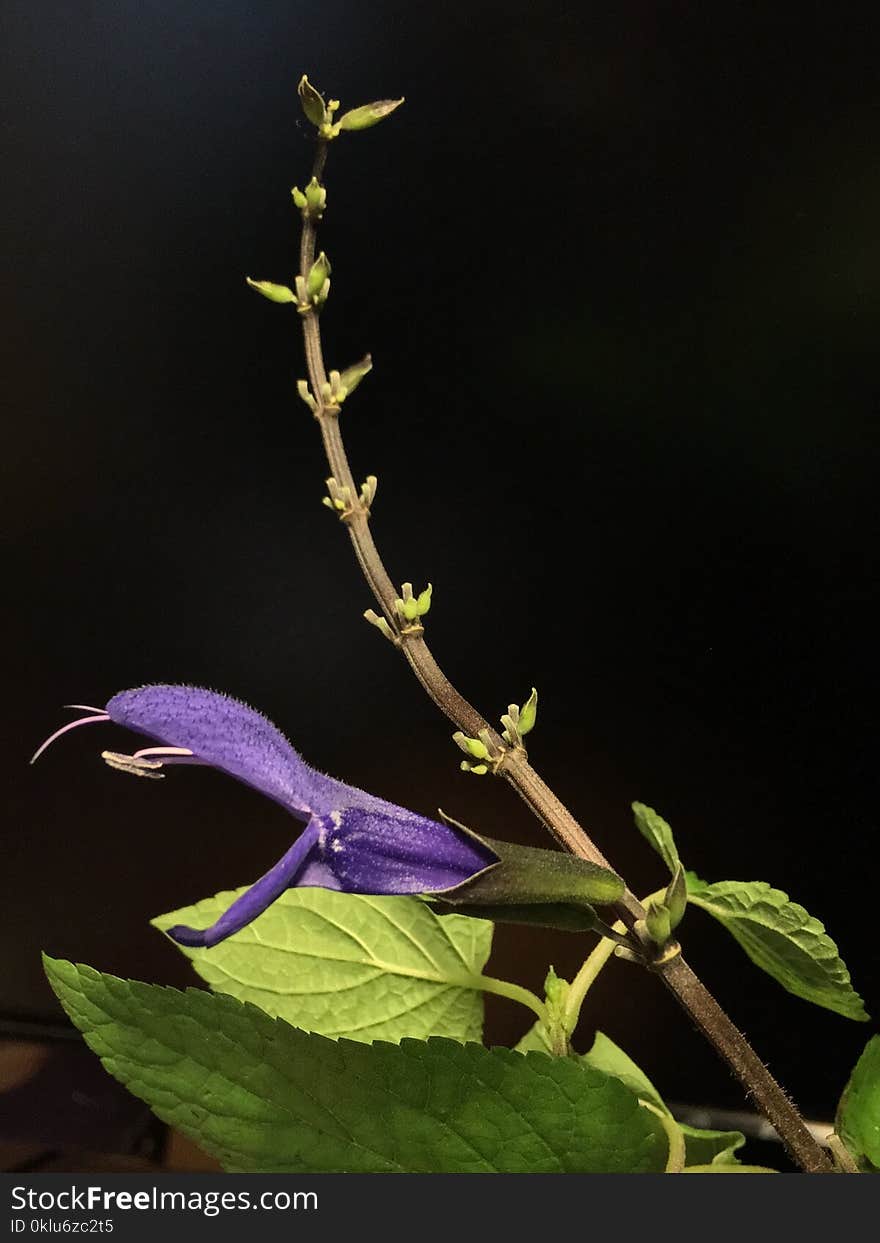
pixel 318 277
pixel 676 897
pixel 471 746
pixel 351 377
pixel 316 199
pixel 312 102
pixel 555 990
pixel 423 603
pixel 528 713
pixel 275 293
pixel 368 114
pixel 657 922
pixel 299 199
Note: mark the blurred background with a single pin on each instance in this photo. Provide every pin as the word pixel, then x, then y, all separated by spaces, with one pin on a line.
pixel 618 269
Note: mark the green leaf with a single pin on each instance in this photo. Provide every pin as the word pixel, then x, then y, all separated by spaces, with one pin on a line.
pixel 343 964
pixel 262 1096
pixel 782 939
pixel 858 1114
pixel 701 1147
pixel 536 1040
pixel 606 1056
pixel 711 1147
pixel 655 830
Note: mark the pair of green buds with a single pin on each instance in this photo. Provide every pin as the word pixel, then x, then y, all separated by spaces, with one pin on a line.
pixel 410 610
pixel 312 290
pixel 321 114
pixel 311 201
pixel 517 722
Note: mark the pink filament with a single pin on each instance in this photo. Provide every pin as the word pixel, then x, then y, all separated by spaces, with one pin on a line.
pixel 85 720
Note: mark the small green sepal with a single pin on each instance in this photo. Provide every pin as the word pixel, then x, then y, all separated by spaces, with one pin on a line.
pixel 305 393
pixel 317 281
pixel 343 383
pixel 381 625
pixel 311 202
pixel 657 922
pixel 471 746
pixel 676 897
pixel 528 713
pixel 368 114
pixel 275 293
pixel 312 102
pixel 411 607
pixel 518 721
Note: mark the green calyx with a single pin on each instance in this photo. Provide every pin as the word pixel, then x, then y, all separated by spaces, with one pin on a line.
pixel 532 886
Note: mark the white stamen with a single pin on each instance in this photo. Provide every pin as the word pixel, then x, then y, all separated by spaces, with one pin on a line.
pixel 138 767
pixel 150 751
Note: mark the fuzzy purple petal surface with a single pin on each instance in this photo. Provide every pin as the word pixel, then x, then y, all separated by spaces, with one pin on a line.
pixel 227 734
pixel 285 874
pixel 376 853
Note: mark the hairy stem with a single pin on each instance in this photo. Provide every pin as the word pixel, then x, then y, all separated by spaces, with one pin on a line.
pixel 515 768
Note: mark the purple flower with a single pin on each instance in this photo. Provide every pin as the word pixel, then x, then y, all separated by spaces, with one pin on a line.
pixel 352 841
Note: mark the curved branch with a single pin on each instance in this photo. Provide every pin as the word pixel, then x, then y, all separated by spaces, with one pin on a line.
pixel 675 973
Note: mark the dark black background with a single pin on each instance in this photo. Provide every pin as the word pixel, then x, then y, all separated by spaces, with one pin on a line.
pixel 618 267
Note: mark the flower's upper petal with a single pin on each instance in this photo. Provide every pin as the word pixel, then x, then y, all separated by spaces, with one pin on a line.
pixel 229 735
pixel 371 851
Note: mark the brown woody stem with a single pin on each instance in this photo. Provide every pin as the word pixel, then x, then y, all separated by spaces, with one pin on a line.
pixel 515 768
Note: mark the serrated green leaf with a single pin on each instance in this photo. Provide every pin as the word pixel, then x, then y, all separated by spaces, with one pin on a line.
pixel 262 1096
pixel 701 1147
pixel 656 831
pixel 858 1114
pixel 345 964
pixel 782 939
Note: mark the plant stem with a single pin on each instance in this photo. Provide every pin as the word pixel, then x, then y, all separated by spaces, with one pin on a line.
pixel 678 977
pixel 674 1136
pixel 585 978
pixel 515 992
